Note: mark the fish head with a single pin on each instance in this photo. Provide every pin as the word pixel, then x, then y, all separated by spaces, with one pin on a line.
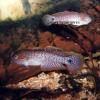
pixel 74 63
pixel 48 20
pixel 85 19
pixel 20 57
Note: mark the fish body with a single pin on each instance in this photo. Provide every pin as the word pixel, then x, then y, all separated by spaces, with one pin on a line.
pixel 67 18
pixel 48 58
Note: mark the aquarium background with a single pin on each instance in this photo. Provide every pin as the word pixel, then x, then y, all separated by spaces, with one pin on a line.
pixel 21 27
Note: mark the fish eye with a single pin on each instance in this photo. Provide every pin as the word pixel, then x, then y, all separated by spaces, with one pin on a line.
pixel 16 57
pixel 52 18
pixel 70 61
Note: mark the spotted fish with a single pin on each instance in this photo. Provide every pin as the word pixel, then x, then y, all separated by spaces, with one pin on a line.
pixel 67 18
pixel 48 59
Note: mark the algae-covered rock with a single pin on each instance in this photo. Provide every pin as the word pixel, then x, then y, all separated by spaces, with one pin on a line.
pixel 16 9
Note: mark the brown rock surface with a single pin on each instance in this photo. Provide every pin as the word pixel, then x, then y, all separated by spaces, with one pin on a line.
pixel 66 45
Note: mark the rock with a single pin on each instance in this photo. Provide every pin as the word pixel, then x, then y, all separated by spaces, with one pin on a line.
pixel 45 39
pixel 2 72
pixel 17 9
pixel 92 12
pixel 17 73
pixel 98 8
pixel 67 45
pixel 91 38
pixel 4 47
pixel 43 80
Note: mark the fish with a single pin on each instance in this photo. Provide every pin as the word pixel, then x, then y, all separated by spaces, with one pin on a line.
pixel 48 58
pixel 67 18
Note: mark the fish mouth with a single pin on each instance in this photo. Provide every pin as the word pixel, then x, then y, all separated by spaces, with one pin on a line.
pixel 47 20
pixel 12 57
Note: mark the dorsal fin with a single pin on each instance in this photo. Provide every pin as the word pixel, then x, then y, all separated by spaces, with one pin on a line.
pixel 52 48
pixel 64 13
pixel 47 48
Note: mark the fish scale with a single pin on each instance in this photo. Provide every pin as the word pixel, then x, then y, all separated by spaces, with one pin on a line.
pixel 67 18
pixel 48 58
